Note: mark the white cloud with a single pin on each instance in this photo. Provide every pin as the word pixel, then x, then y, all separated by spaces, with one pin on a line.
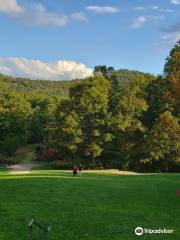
pixel 168 40
pixel 10 6
pixel 155 19
pixel 139 8
pixel 153 8
pixel 80 16
pixel 166 10
pixel 102 9
pixel 170 36
pixel 35 69
pixel 176 2
pixel 141 20
pixel 37 14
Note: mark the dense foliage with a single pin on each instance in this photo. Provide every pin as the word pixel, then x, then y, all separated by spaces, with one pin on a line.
pixel 116 118
pixel 27 86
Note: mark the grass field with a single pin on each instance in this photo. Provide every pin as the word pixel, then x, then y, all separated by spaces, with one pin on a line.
pixel 96 206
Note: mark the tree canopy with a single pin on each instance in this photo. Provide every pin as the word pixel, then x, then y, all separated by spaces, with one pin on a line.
pixel 116 118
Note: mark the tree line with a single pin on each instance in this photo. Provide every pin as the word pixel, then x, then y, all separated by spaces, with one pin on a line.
pixel 114 119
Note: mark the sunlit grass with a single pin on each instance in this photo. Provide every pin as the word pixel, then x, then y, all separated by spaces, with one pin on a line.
pixel 98 205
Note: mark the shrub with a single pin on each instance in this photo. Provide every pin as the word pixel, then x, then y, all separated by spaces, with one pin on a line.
pixel 59 164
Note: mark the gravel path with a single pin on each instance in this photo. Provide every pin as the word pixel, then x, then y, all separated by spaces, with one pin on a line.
pixel 22 168
pixel 124 172
pixel 116 171
pixel 27 168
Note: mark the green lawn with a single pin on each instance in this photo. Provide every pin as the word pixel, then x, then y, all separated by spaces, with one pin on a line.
pixel 96 206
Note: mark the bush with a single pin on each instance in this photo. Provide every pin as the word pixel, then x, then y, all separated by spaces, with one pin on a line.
pixel 8 161
pixel 62 165
pixel 44 154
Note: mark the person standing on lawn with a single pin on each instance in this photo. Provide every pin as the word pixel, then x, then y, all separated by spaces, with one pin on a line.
pixel 75 170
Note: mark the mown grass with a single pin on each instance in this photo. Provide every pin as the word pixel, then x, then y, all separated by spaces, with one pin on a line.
pixel 92 207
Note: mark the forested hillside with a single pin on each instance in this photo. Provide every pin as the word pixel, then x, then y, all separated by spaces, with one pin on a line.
pixel 60 88
pixel 114 119
pixel 25 86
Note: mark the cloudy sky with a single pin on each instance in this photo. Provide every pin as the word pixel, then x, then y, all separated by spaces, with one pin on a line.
pixel 65 39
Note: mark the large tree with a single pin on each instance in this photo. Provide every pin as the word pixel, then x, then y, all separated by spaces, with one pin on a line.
pixel 104 70
pixel 128 106
pixel 14 111
pixel 43 108
pixel 162 142
pixel 172 76
pixel 90 100
pixel 64 132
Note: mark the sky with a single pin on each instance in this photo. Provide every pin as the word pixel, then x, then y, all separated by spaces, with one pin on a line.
pixel 65 39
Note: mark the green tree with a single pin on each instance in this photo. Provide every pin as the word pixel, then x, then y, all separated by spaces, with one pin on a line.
pixel 36 126
pixel 14 111
pixel 155 92
pixel 43 108
pixel 172 77
pixel 90 101
pixel 128 105
pixel 103 70
pixel 162 143
pixel 65 132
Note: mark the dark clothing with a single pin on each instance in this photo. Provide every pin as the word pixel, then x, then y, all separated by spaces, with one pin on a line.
pixel 75 171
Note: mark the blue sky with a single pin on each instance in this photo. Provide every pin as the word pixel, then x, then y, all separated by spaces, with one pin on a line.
pixel 65 39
